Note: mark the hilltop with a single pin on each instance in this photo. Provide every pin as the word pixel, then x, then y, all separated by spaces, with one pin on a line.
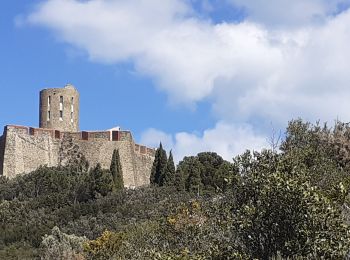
pixel 290 202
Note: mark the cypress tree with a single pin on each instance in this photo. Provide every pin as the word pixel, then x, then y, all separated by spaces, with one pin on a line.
pixel 154 177
pixel 169 177
pixel 159 166
pixel 116 171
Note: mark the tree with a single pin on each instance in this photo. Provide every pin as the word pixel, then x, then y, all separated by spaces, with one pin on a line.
pixel 276 212
pixel 116 171
pixel 159 167
pixel 100 181
pixel 59 245
pixel 78 163
pixel 211 162
pixel 323 153
pixel 207 171
pixel 224 177
pixel 180 179
pixel 190 169
pixel 169 176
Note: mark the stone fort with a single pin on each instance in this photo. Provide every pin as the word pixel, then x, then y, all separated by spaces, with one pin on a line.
pixel 58 141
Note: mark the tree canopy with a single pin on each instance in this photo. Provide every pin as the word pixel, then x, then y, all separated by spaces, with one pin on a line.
pixel 291 203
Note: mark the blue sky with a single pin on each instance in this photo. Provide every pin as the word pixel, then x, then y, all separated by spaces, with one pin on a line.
pixel 32 59
pixel 197 75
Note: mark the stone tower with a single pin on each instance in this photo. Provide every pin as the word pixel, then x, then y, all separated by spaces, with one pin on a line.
pixel 59 109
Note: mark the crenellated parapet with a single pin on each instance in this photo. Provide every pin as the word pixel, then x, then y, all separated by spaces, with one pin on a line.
pixel 58 142
pixel 144 150
pixel 24 149
pixel 113 136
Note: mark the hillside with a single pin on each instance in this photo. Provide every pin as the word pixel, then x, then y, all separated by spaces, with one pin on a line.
pixel 290 202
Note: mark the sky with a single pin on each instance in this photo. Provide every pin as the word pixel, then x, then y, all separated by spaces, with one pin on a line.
pixel 198 75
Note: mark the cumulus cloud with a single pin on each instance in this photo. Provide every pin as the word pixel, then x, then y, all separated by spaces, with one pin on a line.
pixel 312 81
pixel 287 59
pixel 184 55
pixel 226 139
pixel 246 68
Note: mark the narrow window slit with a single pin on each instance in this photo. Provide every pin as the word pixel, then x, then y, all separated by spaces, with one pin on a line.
pixel 61 108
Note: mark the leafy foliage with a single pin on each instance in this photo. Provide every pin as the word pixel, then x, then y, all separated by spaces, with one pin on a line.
pixel 59 245
pixel 270 202
pixel 291 204
pixel 205 172
pixel 106 246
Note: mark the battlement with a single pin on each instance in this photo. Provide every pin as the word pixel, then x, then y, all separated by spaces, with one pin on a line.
pixel 110 135
pixel 144 150
pixel 59 142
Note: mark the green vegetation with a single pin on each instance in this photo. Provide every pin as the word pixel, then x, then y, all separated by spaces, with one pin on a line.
pixel 159 167
pixel 169 176
pixel 291 204
pixel 116 171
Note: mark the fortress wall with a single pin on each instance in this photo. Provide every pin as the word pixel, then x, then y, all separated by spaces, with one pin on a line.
pixel 144 158
pixel 13 156
pixel 25 153
pixel 125 136
pixel 143 165
pixel 2 150
pixel 41 131
pixel 58 143
pixel 25 149
pixel 97 151
pixel 91 135
pixel 102 135
pixel 140 149
pixel 76 135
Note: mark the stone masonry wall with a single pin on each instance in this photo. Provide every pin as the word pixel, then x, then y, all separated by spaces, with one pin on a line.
pixel 2 150
pixel 51 107
pixel 143 168
pixel 28 148
pixel 25 153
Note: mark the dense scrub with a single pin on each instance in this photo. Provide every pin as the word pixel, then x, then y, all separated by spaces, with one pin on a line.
pixel 287 204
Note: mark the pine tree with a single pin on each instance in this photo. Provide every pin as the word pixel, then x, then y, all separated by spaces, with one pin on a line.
pixel 180 180
pixel 194 181
pixel 159 166
pixel 116 171
pixel 169 177
pixel 100 181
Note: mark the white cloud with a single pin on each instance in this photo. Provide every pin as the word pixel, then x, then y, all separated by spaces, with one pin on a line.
pixel 312 81
pixel 225 139
pixel 184 55
pixel 288 59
